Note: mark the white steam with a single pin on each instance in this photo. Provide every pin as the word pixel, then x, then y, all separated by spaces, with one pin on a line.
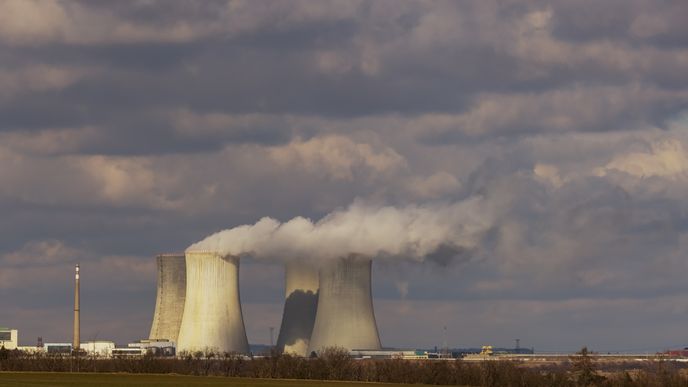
pixel 412 232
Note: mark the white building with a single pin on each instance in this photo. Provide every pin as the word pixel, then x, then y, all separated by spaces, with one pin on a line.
pixel 127 352
pixel 9 338
pixel 155 347
pixel 100 348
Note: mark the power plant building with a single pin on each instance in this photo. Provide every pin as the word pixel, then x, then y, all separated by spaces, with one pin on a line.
pixel 100 348
pixel 300 306
pixel 9 338
pixel 212 318
pixel 345 316
pixel 171 294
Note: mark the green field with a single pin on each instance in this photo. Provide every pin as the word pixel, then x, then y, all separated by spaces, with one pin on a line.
pixel 73 379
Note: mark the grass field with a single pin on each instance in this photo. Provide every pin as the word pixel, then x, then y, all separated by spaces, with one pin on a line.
pixel 111 380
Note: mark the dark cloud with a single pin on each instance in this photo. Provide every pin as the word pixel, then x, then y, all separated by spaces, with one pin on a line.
pixel 637 21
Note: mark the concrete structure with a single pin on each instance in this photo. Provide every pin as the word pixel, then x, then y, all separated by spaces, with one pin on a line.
pixel 100 348
pixel 127 352
pixel 345 316
pixel 390 354
pixel 58 348
pixel 9 338
pixel 76 337
pixel 169 303
pixel 300 306
pixel 161 348
pixel 212 317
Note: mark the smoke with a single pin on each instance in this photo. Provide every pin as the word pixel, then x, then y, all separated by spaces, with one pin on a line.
pixel 437 231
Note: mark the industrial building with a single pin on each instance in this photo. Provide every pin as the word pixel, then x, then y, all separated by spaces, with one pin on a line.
pixel 212 318
pixel 101 348
pixel 345 316
pixel 127 352
pixel 9 338
pixel 391 354
pixel 58 348
pixel 171 294
pixel 160 348
pixel 300 306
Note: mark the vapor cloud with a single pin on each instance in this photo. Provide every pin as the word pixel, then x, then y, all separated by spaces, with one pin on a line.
pixel 412 232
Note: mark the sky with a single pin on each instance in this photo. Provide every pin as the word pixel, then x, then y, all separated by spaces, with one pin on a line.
pixel 133 128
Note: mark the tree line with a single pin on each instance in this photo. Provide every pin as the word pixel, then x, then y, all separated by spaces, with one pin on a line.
pixel 336 364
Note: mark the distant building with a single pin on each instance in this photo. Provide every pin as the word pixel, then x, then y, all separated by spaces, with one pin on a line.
pixel 100 348
pixel 391 354
pixel 9 338
pixel 163 348
pixel 58 348
pixel 127 352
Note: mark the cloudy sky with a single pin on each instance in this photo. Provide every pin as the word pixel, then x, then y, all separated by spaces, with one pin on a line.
pixel 132 128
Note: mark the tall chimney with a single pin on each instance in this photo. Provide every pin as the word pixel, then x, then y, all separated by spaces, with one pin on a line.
pixel 76 342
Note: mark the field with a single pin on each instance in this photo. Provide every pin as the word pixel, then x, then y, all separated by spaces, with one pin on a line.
pixel 40 379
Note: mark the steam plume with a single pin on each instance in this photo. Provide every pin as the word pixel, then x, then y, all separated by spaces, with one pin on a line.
pixel 411 232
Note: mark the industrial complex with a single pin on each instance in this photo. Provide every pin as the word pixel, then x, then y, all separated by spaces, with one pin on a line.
pixel 198 308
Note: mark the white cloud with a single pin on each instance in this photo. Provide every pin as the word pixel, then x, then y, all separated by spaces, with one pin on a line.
pixel 548 173
pixel 31 21
pixel 337 157
pixel 665 158
pixel 127 181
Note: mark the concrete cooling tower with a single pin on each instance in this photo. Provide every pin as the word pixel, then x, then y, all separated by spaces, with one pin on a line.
pixel 300 305
pixel 345 316
pixel 169 303
pixel 212 311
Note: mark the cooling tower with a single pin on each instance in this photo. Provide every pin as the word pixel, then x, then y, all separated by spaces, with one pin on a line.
pixel 169 303
pixel 300 305
pixel 212 312
pixel 345 316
